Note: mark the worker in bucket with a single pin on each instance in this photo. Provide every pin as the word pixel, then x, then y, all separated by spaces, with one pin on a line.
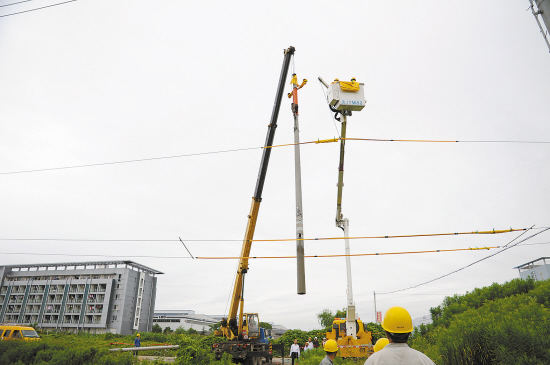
pixel 331 348
pixel 137 343
pixel 397 323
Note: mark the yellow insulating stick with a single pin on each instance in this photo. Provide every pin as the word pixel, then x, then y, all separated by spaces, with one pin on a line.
pixel 327 140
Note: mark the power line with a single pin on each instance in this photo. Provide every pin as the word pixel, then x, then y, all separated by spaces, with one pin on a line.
pixel 268 240
pixel 187 257
pixel 127 161
pixel 19 2
pixel 350 255
pixel 43 7
pixel 473 263
pixel 261 147
pixel 93 255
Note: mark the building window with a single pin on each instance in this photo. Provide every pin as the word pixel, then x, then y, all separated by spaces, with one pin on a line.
pixel 114 318
pixel 141 282
pixel 118 286
pixel 136 322
pixel 117 296
pixel 116 307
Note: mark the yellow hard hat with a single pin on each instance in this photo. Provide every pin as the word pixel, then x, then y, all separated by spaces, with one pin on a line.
pixel 397 320
pixel 380 344
pixel 331 346
pixel 138 334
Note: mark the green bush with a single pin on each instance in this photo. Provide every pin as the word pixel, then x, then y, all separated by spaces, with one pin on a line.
pixel 501 324
pixel 42 353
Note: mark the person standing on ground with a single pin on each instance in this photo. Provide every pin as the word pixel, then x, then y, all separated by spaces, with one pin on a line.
pixel 294 351
pixel 315 342
pixel 331 348
pixel 137 343
pixel 324 342
pixel 398 326
pixel 310 344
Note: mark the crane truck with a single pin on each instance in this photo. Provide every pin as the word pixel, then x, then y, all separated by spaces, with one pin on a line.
pixel 242 332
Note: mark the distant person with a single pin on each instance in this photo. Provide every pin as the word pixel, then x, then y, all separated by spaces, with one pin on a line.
pixel 331 348
pixel 306 346
pixel 315 342
pixel 398 326
pixel 294 351
pixel 324 341
pixel 137 343
pixel 310 344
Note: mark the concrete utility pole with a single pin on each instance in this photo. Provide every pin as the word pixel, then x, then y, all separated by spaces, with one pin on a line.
pixel 301 271
pixel 543 9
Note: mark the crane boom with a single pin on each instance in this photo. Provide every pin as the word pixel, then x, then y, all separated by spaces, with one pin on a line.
pixel 230 330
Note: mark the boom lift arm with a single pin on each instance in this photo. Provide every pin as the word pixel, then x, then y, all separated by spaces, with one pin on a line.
pixel 230 328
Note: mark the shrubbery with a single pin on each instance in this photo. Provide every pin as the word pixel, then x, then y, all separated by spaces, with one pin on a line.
pixel 499 324
pixel 42 353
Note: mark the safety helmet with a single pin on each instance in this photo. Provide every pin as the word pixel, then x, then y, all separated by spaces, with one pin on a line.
pixel 397 320
pixel 380 344
pixel 138 334
pixel 331 346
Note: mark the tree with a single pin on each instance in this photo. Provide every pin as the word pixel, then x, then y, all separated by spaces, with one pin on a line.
pixel 215 326
pixel 167 330
pixel 192 331
pixel 156 328
pixel 325 318
pixel 341 313
pixel 266 325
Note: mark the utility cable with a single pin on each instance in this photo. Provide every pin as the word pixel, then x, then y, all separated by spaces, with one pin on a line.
pixel 339 255
pixel 331 116
pixel 43 7
pixel 262 147
pixel 398 236
pixel 129 161
pixel 187 257
pixel 266 240
pixel 19 2
pixel 473 263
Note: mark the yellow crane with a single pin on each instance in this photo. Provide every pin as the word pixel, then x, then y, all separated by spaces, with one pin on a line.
pixel 243 332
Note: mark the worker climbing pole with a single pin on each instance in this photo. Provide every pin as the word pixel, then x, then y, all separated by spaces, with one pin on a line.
pixel 301 274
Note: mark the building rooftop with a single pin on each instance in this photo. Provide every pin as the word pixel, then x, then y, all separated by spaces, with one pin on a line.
pixel 84 265
pixel 530 264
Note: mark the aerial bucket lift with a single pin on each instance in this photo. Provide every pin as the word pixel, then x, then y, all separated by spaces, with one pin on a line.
pixel 343 98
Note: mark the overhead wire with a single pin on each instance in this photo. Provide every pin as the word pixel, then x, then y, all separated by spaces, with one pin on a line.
pixel 188 257
pixel 318 141
pixel 19 2
pixel 331 116
pixel 42 7
pixel 494 231
pixel 344 255
pixel 506 247
pixel 130 161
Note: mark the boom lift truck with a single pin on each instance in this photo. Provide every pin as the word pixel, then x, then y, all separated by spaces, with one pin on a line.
pixel 349 333
pixel 243 332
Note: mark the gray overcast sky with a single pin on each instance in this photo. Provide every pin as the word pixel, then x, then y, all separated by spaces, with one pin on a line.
pixel 101 81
